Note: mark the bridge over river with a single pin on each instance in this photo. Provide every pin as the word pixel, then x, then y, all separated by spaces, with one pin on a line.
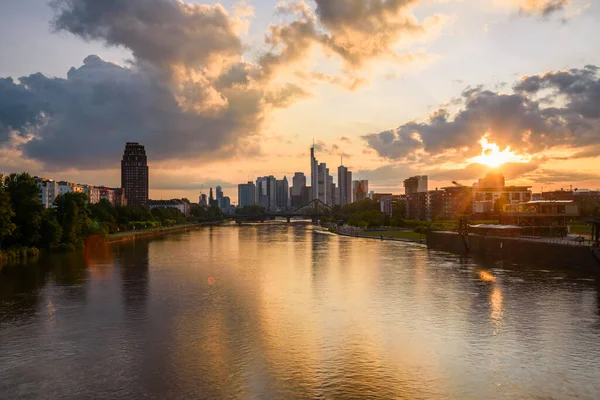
pixel 314 210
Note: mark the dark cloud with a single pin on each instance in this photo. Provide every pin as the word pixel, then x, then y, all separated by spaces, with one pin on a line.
pixel 517 119
pixel 165 33
pixel 187 94
pixel 542 8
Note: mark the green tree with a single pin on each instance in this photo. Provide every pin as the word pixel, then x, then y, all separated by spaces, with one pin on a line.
pixel 24 196
pixel 73 215
pixel 6 213
pixel 51 233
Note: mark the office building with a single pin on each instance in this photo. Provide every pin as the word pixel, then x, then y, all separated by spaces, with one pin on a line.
pixel 266 189
pixel 298 191
pixel 203 200
pixel 344 185
pixel 314 174
pixel 134 174
pixel 219 193
pixel 246 194
pixel 282 193
pixel 415 184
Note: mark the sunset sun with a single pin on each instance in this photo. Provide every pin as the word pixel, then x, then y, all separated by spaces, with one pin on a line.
pixel 493 157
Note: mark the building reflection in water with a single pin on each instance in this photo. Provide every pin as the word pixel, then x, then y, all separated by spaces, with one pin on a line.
pixel 133 261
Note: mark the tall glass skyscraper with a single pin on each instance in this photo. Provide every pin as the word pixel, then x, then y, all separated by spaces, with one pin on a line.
pixel 134 174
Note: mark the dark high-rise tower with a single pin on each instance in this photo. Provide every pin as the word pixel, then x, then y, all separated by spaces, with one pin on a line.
pixel 134 174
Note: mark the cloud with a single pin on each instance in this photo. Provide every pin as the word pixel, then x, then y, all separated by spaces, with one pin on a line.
pixel 517 119
pixel 354 30
pixel 542 8
pixel 187 92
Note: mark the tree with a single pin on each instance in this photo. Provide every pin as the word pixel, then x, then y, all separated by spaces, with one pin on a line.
pixel 24 196
pixel 6 213
pixel 51 233
pixel 73 215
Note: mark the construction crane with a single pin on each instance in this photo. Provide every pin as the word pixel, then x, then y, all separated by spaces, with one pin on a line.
pixel 457 184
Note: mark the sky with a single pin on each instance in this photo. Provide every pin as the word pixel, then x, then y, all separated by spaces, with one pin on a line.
pixel 221 93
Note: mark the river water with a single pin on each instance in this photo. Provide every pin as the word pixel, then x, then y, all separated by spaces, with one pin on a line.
pixel 279 311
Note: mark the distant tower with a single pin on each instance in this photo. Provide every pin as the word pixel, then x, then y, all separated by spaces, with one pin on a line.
pixel 134 174
pixel 211 199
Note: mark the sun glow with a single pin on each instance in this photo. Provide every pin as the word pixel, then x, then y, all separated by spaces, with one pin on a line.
pixel 493 157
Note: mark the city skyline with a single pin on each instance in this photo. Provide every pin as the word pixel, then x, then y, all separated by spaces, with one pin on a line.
pixel 421 111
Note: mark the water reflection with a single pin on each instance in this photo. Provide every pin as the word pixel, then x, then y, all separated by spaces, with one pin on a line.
pixel 279 311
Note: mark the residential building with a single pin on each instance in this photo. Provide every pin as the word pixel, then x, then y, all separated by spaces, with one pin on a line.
pixel 134 174
pixel 434 205
pixel 107 194
pixel 119 198
pixel 344 185
pixel 48 191
pixel 282 193
pixel 182 205
pixel 92 192
pixel 415 189
pixel 457 201
pixel 246 194
pixel 69 187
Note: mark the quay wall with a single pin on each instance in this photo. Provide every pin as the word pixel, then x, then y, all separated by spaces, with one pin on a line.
pixel 515 250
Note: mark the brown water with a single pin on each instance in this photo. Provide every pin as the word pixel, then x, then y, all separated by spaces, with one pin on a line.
pixel 280 311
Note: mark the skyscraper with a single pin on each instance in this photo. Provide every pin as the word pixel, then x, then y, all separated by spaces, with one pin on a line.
pixel 134 174
pixel 299 190
pixel 211 199
pixel 246 194
pixel 282 193
pixel 219 192
pixel 266 188
pixel 344 185
pixel 203 200
pixel 314 174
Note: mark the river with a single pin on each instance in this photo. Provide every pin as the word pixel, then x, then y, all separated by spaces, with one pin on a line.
pixel 277 311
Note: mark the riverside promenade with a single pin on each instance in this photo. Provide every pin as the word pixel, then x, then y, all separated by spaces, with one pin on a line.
pixel 131 235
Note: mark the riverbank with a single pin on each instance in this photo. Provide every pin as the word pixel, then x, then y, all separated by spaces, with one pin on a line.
pixel 538 251
pixel 126 236
pixel 394 236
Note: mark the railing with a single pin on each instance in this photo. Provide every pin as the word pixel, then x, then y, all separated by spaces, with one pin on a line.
pixel 578 241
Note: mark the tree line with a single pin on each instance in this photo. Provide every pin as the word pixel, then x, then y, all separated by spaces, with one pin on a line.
pixel 26 225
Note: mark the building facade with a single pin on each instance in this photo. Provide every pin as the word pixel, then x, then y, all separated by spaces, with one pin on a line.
pixel 134 174
pixel 314 174
pixel 246 194
pixel 266 189
pixel 282 193
pixel 344 185
pixel 182 205
pixel 297 190
pixel 360 190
